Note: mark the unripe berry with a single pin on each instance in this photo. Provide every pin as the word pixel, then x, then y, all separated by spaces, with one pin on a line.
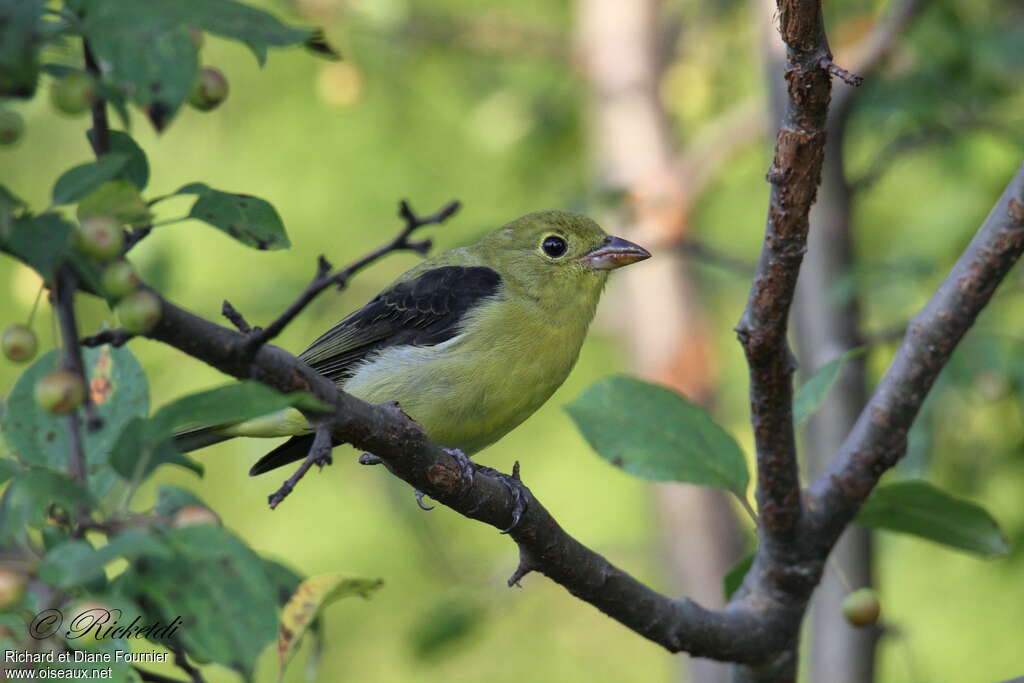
pixel 191 515
pixel 861 607
pixel 139 311
pixel 74 93
pixel 86 622
pixel 12 587
pixel 11 126
pixel 100 237
pixel 59 392
pixel 119 279
pixel 19 343
pixel 210 89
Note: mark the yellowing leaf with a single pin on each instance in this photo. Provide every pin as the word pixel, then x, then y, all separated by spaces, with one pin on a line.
pixel 308 601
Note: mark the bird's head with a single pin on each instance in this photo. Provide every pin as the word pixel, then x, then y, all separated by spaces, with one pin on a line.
pixel 561 248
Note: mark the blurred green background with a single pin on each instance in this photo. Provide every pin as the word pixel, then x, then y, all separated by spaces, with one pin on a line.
pixel 481 101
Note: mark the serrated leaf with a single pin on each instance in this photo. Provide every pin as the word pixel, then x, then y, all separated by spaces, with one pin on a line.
pixel 117 387
pixel 136 168
pixel 654 433
pixel 309 600
pixel 117 198
pixel 84 178
pixel 920 509
pixel 253 27
pixel 218 586
pixel 40 241
pixel 250 220
pixel 811 394
pixel 733 578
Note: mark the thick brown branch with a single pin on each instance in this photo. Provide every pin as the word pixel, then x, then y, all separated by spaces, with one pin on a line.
pixel 794 174
pixel 879 438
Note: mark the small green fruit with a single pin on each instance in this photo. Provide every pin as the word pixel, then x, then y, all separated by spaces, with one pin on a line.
pixel 862 607
pixel 12 587
pixel 138 312
pixel 191 515
pixel 74 93
pixel 100 237
pixel 210 89
pixel 19 343
pixel 86 623
pixel 119 279
pixel 12 126
pixel 59 392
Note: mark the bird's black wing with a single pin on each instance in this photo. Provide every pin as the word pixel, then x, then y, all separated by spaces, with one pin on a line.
pixel 423 311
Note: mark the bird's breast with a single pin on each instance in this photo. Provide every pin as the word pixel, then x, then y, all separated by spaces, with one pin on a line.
pixel 471 390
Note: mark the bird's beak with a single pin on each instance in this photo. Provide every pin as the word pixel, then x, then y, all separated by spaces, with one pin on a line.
pixel 615 253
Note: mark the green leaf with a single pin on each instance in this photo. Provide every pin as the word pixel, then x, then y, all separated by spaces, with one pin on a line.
pixel 8 468
pixel 733 578
pixel 76 563
pixel 11 206
pixel 20 40
pixel 653 432
pixel 219 587
pixel 809 397
pixel 309 601
pixel 136 169
pixel 920 509
pixel 169 499
pixel 30 494
pixel 118 388
pixel 117 198
pixel 149 51
pixel 254 27
pixel 41 242
pixel 136 453
pixel 250 220
pixel 230 403
pixel 83 179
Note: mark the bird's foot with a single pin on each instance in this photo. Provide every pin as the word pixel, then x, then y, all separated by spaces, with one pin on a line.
pixel 466 466
pixel 419 501
pixel 515 486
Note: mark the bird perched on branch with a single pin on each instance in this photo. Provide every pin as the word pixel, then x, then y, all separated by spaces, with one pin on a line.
pixel 470 343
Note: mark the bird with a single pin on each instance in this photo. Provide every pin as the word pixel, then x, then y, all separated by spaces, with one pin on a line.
pixel 469 343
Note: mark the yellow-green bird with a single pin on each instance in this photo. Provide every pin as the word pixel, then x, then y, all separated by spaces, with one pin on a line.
pixel 470 343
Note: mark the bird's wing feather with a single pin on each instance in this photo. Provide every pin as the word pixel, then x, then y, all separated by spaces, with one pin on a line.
pixel 422 311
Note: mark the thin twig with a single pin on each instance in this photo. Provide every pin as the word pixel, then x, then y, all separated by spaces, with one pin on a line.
pixel 100 126
pixel 117 337
pixel 181 661
pixel 324 278
pixel 839 72
pixel 319 455
pixel 136 235
pixel 64 303
pixel 236 318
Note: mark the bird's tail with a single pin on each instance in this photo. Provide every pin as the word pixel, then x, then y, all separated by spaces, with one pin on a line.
pixel 199 437
pixel 295 448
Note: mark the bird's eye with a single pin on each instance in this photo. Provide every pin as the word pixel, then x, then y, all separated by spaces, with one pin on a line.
pixel 554 246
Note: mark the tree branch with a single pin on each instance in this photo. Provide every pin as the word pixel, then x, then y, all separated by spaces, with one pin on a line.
pixel 879 438
pixel 794 174
pixel 257 337
pixel 64 302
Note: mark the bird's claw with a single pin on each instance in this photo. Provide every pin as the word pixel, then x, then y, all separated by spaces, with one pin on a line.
pixel 466 466
pixel 520 494
pixel 419 501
